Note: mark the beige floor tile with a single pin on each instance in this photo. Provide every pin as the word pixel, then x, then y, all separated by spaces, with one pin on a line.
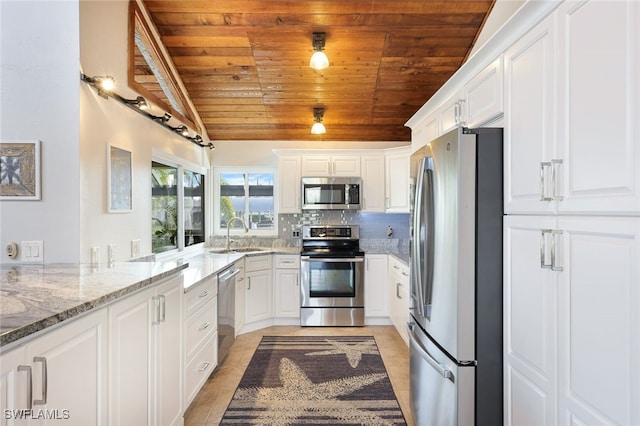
pixel 210 404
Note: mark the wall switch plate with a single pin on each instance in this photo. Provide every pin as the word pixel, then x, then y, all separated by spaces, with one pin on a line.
pixel 95 256
pixel 32 251
pixel 135 248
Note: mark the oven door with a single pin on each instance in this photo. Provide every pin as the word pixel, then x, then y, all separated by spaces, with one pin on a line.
pixel 332 281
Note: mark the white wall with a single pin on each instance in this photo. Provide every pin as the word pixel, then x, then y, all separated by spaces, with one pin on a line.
pixel 39 89
pixel 103 34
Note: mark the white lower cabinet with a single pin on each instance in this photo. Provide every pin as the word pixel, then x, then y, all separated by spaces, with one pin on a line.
pixel 200 336
pixel 572 320
pixel 240 278
pixel 145 357
pixel 398 296
pixel 61 376
pixel 375 287
pixel 258 291
pixel 287 286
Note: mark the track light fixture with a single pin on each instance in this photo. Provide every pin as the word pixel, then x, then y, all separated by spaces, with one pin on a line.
pixel 318 128
pixel 105 87
pixel 319 60
pixel 139 102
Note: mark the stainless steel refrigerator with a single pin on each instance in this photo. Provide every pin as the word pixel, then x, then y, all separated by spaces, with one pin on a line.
pixel 455 327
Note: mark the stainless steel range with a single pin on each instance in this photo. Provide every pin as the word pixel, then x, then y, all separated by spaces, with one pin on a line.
pixel 332 284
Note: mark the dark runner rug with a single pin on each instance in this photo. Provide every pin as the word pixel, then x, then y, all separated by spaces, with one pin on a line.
pixel 313 380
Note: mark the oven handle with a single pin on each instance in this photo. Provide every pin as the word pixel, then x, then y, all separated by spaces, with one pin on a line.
pixel 335 260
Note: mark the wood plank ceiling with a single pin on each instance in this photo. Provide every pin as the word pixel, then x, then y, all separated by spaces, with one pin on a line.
pixel 245 63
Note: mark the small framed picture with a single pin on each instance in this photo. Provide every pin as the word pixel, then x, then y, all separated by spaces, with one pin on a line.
pixel 119 180
pixel 20 170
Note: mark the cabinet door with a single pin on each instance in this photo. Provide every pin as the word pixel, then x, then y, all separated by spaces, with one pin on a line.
pixel 72 361
pixel 483 95
pixel 168 368
pixel 345 165
pixel 450 113
pixel 289 190
pixel 599 99
pixel 375 286
pixel 530 324
pixel 316 165
pixel 257 295
pixel 14 377
pixel 599 321
pixel 397 182
pixel 287 293
pixel 240 295
pixel 529 119
pixel 130 350
pixel 373 185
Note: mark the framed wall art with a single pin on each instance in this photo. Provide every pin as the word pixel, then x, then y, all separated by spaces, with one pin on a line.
pixel 119 180
pixel 20 170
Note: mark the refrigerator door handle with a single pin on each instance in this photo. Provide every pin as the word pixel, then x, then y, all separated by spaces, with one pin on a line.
pixel 444 372
pixel 416 252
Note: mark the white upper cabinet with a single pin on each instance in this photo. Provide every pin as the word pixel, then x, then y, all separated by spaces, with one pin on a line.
pixel 289 190
pixel 397 180
pixel 599 101
pixel 572 108
pixel 483 96
pixel 451 114
pixel 529 119
pixel 373 189
pixel 330 165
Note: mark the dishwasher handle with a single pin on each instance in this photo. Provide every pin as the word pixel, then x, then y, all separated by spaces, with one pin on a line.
pixel 228 274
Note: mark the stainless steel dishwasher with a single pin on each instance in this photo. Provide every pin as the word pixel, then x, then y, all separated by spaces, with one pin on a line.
pixel 226 311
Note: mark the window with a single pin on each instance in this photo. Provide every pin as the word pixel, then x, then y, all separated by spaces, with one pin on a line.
pixel 177 207
pixel 246 194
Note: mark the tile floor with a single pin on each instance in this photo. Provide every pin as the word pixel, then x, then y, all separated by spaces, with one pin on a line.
pixel 211 402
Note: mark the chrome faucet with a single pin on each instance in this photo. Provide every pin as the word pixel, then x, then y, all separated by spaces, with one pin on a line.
pixel 229 228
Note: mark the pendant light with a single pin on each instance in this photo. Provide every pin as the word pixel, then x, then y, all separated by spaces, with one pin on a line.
pixel 318 128
pixel 319 60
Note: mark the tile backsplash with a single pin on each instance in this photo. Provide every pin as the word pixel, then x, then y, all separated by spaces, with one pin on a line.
pixel 373 230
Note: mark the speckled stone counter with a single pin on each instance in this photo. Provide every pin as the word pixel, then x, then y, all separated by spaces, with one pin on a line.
pixel 34 297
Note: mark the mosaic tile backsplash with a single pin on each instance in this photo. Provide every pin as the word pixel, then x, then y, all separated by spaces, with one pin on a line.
pixel 373 230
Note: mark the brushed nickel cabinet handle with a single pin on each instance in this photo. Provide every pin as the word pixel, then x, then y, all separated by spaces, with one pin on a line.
pixel 205 325
pixel 204 366
pixel 543 249
pixel 42 360
pixel 543 195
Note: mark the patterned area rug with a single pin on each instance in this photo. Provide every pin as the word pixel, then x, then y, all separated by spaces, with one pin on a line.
pixel 303 380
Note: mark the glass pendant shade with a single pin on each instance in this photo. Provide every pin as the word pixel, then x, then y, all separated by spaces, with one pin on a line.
pixel 319 60
pixel 318 129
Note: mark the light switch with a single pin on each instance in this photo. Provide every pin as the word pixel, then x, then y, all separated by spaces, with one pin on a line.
pixel 32 251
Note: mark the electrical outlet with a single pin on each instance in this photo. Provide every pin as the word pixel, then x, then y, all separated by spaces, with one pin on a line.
pixel 111 254
pixel 32 251
pixel 12 250
pixel 95 256
pixel 135 248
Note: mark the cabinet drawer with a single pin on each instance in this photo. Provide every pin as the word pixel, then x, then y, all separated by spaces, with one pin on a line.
pixel 200 326
pixel 257 263
pixel 200 294
pixel 200 368
pixel 398 267
pixel 287 261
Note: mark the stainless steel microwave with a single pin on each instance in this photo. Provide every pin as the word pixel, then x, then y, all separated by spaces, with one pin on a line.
pixel 331 193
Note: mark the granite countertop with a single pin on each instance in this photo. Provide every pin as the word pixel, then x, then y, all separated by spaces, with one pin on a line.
pixel 34 297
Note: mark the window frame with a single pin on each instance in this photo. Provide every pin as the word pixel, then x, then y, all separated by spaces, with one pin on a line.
pixel 217 230
pixel 181 165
